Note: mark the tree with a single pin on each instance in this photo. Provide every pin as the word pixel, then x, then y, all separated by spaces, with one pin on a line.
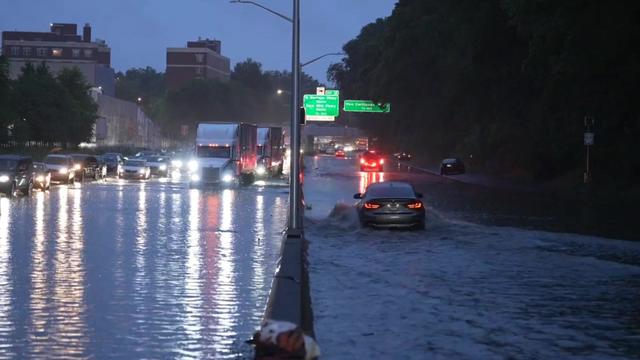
pixel 7 113
pixel 81 110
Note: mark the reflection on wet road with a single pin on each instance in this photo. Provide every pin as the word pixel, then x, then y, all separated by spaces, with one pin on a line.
pixel 136 270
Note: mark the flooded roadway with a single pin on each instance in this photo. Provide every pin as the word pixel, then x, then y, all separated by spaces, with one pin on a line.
pixel 136 270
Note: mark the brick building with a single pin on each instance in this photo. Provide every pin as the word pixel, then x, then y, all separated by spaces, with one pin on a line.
pixel 59 48
pixel 201 59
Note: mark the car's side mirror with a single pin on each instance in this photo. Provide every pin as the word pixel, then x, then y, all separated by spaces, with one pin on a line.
pixel 357 196
pixel 419 195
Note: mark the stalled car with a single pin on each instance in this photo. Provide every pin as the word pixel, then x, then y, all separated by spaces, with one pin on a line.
pixel 391 204
pixel 61 167
pixel 86 166
pixel 371 161
pixel 159 165
pixel 16 175
pixel 114 162
pixel 452 166
pixel 41 176
pixel 136 169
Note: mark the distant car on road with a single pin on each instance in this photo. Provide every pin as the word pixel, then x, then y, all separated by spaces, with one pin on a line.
pixel 371 161
pixel 158 164
pixel 391 204
pixel 340 153
pixel 452 166
pixel 86 166
pixel 41 176
pixel 16 175
pixel 61 167
pixel 136 169
pixel 403 156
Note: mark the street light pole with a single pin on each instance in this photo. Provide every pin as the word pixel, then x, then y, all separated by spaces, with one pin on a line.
pixel 295 216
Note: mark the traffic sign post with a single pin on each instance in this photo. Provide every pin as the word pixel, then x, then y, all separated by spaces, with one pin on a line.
pixel 366 106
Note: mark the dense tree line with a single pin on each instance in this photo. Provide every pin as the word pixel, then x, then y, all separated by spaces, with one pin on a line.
pixel 508 82
pixel 39 107
pixel 251 95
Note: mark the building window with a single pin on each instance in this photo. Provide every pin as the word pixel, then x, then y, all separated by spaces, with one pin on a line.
pixel 56 52
pixel 26 51
pixel 41 52
pixel 75 52
pixel 15 51
pixel 88 53
pixel 199 58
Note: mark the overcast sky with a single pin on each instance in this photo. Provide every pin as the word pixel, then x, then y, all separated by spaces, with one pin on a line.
pixel 139 31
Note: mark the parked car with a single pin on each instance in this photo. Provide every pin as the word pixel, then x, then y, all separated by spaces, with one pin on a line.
pixel 41 176
pixel 86 166
pixel 136 169
pixel 371 161
pixel 16 175
pixel 391 204
pixel 61 167
pixel 452 166
pixel 158 164
pixel 114 162
pixel 402 156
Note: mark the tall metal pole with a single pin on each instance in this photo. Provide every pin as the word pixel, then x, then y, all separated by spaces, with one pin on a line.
pixel 295 217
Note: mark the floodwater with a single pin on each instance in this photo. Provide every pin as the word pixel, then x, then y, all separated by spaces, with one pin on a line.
pixel 137 270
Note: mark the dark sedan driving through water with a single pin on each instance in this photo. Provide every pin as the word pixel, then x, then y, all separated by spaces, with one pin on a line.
pixel 391 204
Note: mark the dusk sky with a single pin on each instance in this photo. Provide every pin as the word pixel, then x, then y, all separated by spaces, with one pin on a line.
pixel 139 31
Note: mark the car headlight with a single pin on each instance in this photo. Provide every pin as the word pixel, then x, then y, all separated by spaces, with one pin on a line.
pixel 227 178
pixel 195 177
pixel 162 167
pixel 40 178
pixel 193 165
pixel 77 166
pixel 176 163
pixel 142 171
pixel 260 170
pixel 63 170
pixel 4 178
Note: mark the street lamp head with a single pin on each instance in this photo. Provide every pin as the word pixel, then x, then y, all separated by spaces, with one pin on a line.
pixel 279 91
pixel 139 99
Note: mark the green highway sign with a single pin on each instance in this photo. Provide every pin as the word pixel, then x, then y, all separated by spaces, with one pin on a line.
pixel 366 106
pixel 322 105
pixel 332 92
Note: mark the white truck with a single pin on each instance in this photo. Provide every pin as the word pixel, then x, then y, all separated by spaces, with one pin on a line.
pixel 224 153
pixel 270 151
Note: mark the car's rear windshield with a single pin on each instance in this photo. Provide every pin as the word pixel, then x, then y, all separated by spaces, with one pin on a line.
pixel 110 157
pixel 55 160
pixel 388 192
pixel 135 162
pixel 39 166
pixel 8 164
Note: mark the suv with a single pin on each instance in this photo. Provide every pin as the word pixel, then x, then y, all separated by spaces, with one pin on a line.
pixel 16 174
pixel 61 167
pixel 371 161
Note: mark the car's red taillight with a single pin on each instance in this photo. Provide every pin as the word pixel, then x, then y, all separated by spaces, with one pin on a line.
pixel 381 161
pixel 415 205
pixel 369 205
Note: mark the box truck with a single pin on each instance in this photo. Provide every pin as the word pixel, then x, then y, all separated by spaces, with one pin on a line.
pixel 224 153
pixel 270 151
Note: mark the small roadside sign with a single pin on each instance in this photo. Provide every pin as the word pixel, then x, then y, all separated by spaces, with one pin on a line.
pixel 588 138
pixel 320 118
pixel 320 90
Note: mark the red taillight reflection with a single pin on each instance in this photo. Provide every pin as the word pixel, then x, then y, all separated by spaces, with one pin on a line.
pixel 362 161
pixel 369 205
pixel 415 205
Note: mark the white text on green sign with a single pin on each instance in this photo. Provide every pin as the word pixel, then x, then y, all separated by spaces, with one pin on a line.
pixel 321 105
pixel 366 106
